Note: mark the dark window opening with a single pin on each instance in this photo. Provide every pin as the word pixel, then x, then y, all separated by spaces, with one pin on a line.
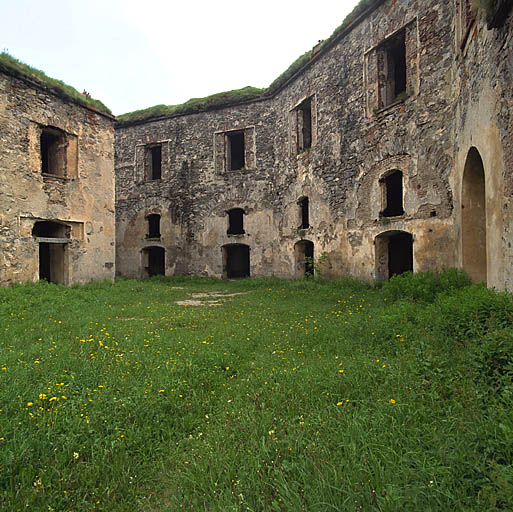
pixel 53 152
pixel 235 151
pixel 392 194
pixel 400 254
pixel 155 162
pixel 473 217
pixel 236 221
pixel 394 254
pixel 236 261
pixel 394 74
pixel 153 226
pixel 304 255
pixel 304 124
pixel 52 253
pixel 49 229
pixel 156 261
pixel 52 262
pixel 305 216
pixel 44 262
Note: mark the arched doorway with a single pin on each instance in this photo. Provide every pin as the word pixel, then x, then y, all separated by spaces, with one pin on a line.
pixel 235 261
pixel 304 258
pixel 53 239
pixel 473 217
pixel 394 253
pixel 154 261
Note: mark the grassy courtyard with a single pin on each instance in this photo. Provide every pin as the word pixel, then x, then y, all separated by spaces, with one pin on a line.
pixel 257 395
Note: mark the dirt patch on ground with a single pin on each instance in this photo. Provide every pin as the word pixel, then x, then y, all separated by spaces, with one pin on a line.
pixel 209 299
pixel 198 303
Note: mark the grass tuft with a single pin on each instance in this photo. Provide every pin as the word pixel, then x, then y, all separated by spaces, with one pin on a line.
pixel 15 67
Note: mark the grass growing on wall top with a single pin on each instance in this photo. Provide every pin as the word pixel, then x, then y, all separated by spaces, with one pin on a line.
pixel 248 93
pixel 285 396
pixel 195 104
pixel 13 66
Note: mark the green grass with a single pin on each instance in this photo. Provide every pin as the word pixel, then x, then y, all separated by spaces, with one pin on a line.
pixel 13 66
pixel 288 396
pixel 194 105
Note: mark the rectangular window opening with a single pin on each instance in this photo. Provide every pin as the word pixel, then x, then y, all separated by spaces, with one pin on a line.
pixel 304 210
pixel 53 151
pixel 235 148
pixel 393 194
pixel 236 222
pixel 155 163
pixel 394 70
pixel 153 226
pixel 304 125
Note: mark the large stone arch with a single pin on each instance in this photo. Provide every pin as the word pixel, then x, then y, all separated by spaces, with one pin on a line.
pixel 473 217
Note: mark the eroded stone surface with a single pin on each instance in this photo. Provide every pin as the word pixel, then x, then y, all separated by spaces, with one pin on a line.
pixel 457 96
pixel 56 187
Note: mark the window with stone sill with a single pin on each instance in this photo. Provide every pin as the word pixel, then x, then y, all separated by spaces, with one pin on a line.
pixel 302 122
pixel 392 69
pixel 153 226
pixel 235 221
pixel 304 213
pixel 234 150
pixel 392 194
pixel 153 162
pixel 58 152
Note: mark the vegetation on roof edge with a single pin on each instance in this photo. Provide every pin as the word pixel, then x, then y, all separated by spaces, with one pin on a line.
pixel 15 67
pixel 247 93
pixel 195 104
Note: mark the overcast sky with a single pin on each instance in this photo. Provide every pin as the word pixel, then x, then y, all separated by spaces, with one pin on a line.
pixel 133 54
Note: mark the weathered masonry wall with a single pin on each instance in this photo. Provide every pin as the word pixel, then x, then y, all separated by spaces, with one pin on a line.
pixel 56 187
pixel 483 134
pixel 374 133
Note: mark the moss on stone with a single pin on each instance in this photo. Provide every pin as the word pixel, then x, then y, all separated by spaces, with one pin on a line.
pixel 12 66
pixel 290 71
pixel 195 104
pixel 359 9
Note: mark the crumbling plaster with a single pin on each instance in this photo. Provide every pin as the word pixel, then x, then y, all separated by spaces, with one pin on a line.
pixel 84 200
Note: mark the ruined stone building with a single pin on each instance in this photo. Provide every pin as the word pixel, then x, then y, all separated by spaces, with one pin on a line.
pixel 387 148
pixel 56 182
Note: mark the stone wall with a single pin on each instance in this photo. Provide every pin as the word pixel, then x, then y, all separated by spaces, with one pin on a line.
pixel 56 187
pixel 397 93
pixel 483 126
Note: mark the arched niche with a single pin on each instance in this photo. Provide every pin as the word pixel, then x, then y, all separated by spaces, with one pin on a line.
pixel 473 217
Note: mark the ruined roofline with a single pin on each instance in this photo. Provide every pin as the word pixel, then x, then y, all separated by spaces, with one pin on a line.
pixel 38 79
pixel 294 71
